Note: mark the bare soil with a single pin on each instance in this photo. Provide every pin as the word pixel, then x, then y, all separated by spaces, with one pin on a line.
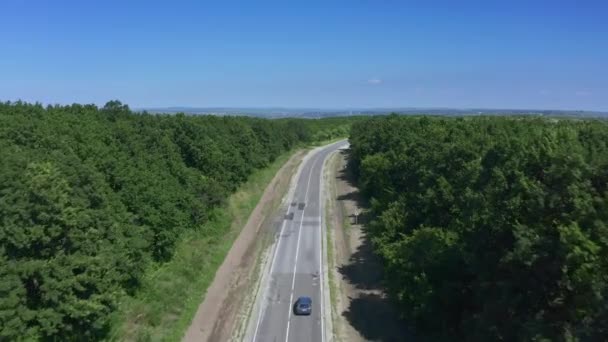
pixel 220 315
pixel 361 309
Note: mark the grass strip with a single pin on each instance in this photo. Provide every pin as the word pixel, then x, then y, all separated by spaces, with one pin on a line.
pixel 329 209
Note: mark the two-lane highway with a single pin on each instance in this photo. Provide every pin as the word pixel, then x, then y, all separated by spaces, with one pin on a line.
pixel 296 268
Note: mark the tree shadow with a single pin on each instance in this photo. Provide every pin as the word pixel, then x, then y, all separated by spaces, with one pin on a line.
pixel 346 174
pixel 364 270
pixel 371 313
pixel 351 196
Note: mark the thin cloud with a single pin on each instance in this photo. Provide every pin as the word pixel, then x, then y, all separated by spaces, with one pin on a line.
pixel 582 93
pixel 374 81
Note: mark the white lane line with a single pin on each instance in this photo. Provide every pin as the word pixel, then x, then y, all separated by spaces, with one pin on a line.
pixel 321 216
pixel 274 258
pixel 295 265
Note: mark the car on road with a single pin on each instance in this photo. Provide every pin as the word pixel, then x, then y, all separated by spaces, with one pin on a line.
pixel 302 306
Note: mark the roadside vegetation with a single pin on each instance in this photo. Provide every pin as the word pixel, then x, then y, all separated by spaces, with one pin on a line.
pixel 98 206
pixel 168 297
pixel 490 229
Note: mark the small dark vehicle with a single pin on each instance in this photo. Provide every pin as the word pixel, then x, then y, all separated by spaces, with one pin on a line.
pixel 302 306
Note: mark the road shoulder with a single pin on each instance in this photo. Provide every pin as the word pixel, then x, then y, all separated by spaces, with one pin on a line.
pixel 327 248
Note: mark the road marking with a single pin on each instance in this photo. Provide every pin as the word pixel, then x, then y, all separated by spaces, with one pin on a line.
pixel 321 271
pixel 274 258
pixel 295 264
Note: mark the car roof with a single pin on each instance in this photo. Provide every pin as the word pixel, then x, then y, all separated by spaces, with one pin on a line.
pixel 304 300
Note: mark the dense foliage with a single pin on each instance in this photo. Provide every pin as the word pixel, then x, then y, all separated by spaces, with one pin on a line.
pixel 90 198
pixel 491 229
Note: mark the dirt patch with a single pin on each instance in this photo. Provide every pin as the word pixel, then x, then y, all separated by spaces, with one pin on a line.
pixel 219 316
pixel 360 308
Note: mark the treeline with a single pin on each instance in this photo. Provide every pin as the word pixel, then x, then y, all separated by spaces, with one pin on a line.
pixel 331 127
pixel 91 197
pixel 491 229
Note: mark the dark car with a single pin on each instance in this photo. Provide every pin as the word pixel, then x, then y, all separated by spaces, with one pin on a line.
pixel 302 306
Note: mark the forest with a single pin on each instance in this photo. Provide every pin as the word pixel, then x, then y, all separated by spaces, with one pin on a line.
pixel 91 197
pixel 490 228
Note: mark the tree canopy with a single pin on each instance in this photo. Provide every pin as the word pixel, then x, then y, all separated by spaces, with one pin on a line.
pixel 491 229
pixel 91 197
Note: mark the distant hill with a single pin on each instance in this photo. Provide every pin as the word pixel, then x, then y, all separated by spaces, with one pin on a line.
pixel 279 112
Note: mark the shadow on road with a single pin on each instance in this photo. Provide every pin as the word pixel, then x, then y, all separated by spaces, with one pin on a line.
pixel 369 311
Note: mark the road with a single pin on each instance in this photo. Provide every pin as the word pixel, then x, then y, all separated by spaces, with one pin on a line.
pixel 296 268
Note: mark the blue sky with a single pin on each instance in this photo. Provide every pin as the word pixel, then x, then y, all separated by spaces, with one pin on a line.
pixel 330 54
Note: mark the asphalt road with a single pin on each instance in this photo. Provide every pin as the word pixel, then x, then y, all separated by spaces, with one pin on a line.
pixel 296 266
